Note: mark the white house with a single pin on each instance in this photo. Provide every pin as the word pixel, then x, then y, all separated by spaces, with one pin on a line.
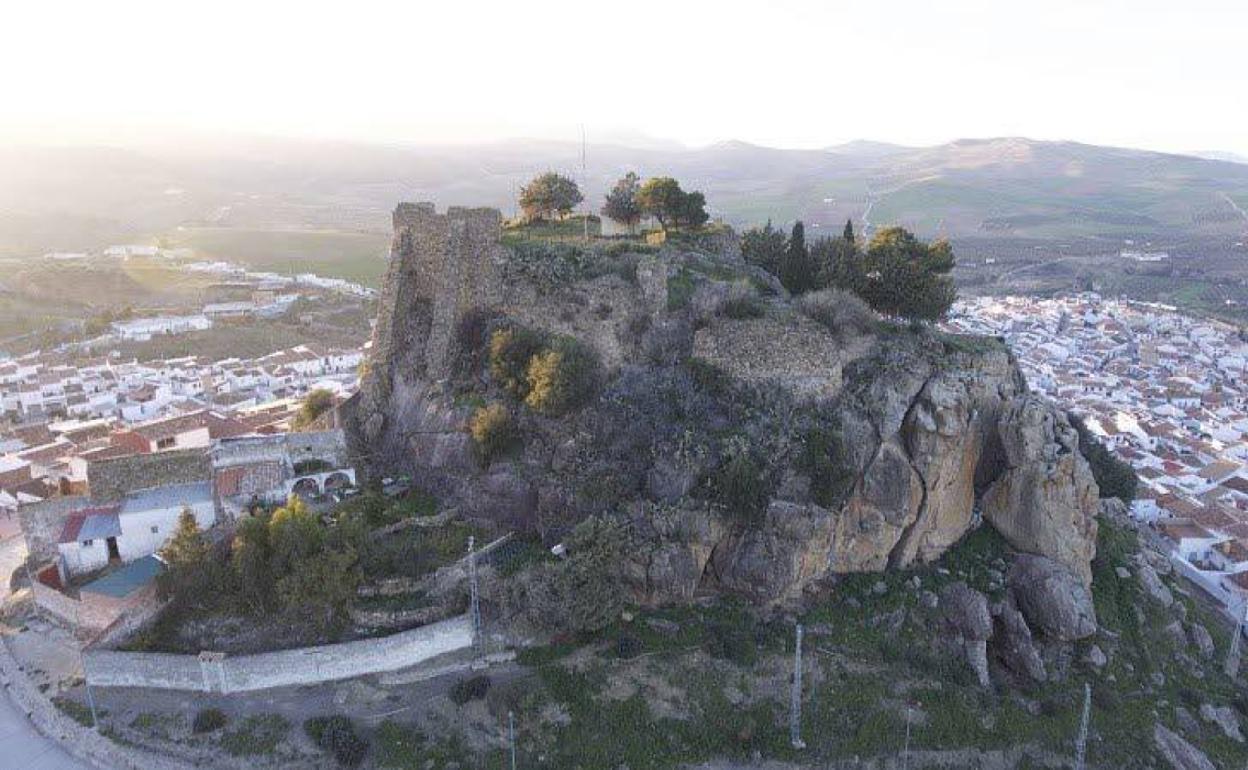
pixel 140 525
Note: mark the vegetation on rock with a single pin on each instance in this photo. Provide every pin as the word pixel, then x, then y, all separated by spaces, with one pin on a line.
pixel 493 431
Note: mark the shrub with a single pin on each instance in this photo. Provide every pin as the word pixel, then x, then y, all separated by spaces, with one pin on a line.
pixel 741 307
pixel 472 688
pixel 1114 477
pixel 208 721
pixel 493 431
pixel 510 353
pixel 843 313
pixel 742 485
pixel 561 378
pixel 336 735
pixel 627 646
pixel 255 735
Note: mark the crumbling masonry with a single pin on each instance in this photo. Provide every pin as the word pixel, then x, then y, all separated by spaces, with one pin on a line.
pixel 441 267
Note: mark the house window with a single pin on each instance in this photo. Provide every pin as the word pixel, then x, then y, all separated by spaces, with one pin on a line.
pixel 155 529
pixel 87 543
pixel 165 443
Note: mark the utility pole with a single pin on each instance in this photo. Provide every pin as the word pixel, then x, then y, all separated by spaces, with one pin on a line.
pixel 511 736
pixel 1231 669
pixel 795 709
pixel 905 751
pixel 475 596
pixel 585 182
pixel 1081 747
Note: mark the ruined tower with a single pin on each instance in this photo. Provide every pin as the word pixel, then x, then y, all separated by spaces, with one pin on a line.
pixel 441 267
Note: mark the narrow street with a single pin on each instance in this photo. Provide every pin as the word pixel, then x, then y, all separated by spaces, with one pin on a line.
pixel 21 745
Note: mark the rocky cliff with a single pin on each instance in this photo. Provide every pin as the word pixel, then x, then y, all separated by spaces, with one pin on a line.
pixel 747 446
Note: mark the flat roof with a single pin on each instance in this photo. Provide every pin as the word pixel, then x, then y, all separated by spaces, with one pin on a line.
pixel 128 579
pixel 167 497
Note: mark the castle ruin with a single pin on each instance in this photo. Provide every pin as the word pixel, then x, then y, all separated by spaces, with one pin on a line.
pixel 441 267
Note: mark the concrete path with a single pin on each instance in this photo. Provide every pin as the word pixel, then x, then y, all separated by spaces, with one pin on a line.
pixel 21 745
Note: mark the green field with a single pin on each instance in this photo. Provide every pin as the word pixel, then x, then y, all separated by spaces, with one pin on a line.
pixel 354 256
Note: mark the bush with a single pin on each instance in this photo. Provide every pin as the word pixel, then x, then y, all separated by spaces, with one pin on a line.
pixel 472 688
pixel 561 377
pixel 741 485
pixel 1114 477
pixel 336 735
pixel 209 721
pixel 510 353
pixel 255 736
pixel 843 313
pixel 493 431
pixel 627 646
pixel 742 307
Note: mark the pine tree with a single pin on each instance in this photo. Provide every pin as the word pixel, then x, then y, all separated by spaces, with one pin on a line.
pixel 188 561
pixel 849 230
pixel 796 273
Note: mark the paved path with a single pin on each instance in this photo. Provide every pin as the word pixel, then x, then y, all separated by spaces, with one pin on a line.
pixel 21 745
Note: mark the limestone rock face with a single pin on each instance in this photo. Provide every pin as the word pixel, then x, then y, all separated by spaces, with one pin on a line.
pixel 777 559
pixel 1052 598
pixel 1179 753
pixel 1045 501
pixel 1013 644
pixel 916 431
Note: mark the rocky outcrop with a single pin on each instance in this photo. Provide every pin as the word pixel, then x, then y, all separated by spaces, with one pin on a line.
pixel 1013 644
pixel 1052 598
pixel 967 618
pixel 1180 754
pixel 1045 501
pixel 915 431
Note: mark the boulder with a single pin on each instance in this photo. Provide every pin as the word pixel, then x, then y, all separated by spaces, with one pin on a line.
pixel 1153 585
pixel 1013 644
pixel 966 612
pixel 1044 501
pixel 1201 640
pixel 1224 717
pixel 1095 657
pixel 1180 754
pixel 977 659
pixel 1052 598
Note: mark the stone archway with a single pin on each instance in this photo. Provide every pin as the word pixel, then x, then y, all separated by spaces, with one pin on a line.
pixel 306 488
pixel 337 480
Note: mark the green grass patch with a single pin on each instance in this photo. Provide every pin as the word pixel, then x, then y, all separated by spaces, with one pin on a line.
pixel 257 735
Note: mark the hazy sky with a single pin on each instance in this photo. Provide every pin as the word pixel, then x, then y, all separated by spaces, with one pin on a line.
pixel 1146 73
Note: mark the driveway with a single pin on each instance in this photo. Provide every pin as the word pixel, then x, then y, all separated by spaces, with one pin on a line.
pixel 21 745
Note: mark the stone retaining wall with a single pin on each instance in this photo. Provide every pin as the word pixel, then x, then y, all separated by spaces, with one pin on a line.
pixel 213 672
pixel 82 742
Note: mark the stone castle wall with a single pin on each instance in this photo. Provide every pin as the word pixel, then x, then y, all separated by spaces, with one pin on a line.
pixel 441 267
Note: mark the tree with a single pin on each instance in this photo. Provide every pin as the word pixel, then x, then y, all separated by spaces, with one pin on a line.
pixel 905 277
pixel 315 404
pixel 318 589
pixel 621 205
pixel 549 194
pixel 848 234
pixel 188 561
pixel 693 212
pixel 295 534
pixel 251 562
pixel 797 273
pixel 662 198
pixel 763 246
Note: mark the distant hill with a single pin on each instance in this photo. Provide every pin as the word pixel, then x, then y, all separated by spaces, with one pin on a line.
pixel 57 199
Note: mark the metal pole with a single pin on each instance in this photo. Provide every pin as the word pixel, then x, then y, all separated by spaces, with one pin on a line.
pixel 1082 746
pixel 475 602
pixel 905 752
pixel 511 736
pixel 795 709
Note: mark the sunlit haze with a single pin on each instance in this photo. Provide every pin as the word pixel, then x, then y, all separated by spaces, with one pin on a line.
pixel 1140 73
